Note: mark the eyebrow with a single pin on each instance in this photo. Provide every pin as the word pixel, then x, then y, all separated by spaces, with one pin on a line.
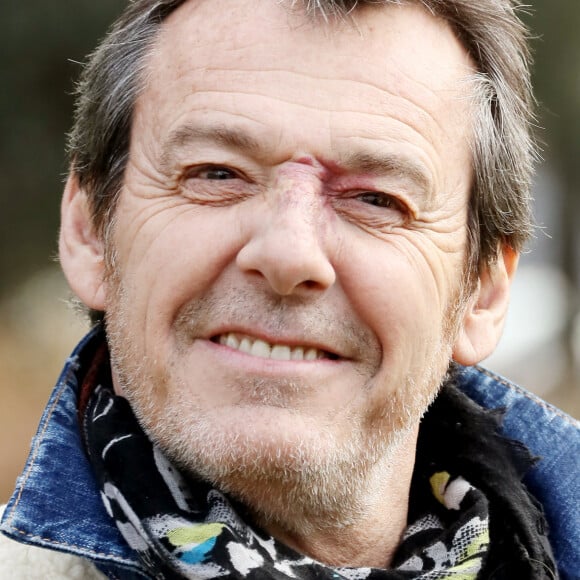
pixel 190 134
pixel 373 162
pixel 381 163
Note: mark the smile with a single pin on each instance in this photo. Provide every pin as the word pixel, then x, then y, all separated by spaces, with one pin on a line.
pixel 262 349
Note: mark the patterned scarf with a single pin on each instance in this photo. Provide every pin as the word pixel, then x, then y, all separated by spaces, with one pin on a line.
pixel 181 527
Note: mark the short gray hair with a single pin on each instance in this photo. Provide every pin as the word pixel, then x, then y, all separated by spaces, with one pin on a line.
pixel 503 147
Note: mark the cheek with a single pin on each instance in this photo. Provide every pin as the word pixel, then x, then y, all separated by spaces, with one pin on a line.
pixel 403 301
pixel 399 293
pixel 174 255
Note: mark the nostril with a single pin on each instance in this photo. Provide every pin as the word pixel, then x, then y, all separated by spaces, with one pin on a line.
pixel 310 284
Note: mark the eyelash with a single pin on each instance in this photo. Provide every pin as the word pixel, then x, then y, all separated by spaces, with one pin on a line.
pixel 389 212
pixel 197 171
pixel 386 201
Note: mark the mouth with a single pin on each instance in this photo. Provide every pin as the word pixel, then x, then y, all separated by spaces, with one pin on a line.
pixel 283 352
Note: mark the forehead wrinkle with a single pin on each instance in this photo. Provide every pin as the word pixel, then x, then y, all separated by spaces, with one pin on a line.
pixel 193 134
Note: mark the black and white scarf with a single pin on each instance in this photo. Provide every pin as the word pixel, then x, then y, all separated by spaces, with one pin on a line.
pixel 470 516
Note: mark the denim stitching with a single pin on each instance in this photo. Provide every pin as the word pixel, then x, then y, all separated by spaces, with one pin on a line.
pixel 38 440
pixel 110 557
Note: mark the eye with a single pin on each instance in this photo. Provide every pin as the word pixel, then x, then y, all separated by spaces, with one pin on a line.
pixel 213 173
pixel 216 185
pixel 380 200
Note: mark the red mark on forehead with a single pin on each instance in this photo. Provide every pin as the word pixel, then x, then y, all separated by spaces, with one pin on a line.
pixel 333 167
pixel 306 160
pixel 326 167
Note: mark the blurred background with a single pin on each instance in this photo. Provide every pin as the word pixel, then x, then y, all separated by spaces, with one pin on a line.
pixel 43 44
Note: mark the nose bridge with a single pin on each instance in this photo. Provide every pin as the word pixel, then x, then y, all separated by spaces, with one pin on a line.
pixel 288 247
pixel 296 203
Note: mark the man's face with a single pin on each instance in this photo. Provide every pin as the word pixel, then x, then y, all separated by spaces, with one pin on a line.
pixel 290 239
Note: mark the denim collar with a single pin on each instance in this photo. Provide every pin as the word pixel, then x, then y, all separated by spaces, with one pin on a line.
pixel 554 438
pixel 57 503
pixel 70 517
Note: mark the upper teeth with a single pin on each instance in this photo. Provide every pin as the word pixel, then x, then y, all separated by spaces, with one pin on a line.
pixel 262 349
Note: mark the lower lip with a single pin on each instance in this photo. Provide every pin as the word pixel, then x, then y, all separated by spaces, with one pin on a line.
pixel 261 365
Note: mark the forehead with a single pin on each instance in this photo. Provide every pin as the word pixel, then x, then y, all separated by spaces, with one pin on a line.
pixel 280 34
pixel 398 62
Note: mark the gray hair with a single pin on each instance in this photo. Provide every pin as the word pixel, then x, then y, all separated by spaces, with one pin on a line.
pixel 503 148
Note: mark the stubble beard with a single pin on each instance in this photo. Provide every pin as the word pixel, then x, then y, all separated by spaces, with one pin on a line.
pixel 306 483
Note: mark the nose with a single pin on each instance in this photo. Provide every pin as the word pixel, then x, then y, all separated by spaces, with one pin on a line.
pixel 288 245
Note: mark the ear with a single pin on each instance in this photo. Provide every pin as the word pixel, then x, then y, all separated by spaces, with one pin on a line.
pixel 485 314
pixel 81 251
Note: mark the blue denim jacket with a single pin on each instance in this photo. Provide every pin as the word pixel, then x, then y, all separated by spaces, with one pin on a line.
pixel 57 504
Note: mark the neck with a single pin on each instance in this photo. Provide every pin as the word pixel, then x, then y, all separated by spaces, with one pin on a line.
pixel 364 530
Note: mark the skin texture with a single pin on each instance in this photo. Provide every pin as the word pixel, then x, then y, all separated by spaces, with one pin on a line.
pixel 305 184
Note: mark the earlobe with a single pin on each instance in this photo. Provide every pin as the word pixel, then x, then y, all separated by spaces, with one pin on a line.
pixel 485 314
pixel 81 250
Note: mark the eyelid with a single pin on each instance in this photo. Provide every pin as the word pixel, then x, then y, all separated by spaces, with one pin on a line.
pixel 388 196
pixel 194 170
pixel 404 208
pixel 402 202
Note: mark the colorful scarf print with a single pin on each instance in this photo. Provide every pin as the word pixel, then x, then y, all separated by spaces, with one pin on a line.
pixel 182 527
